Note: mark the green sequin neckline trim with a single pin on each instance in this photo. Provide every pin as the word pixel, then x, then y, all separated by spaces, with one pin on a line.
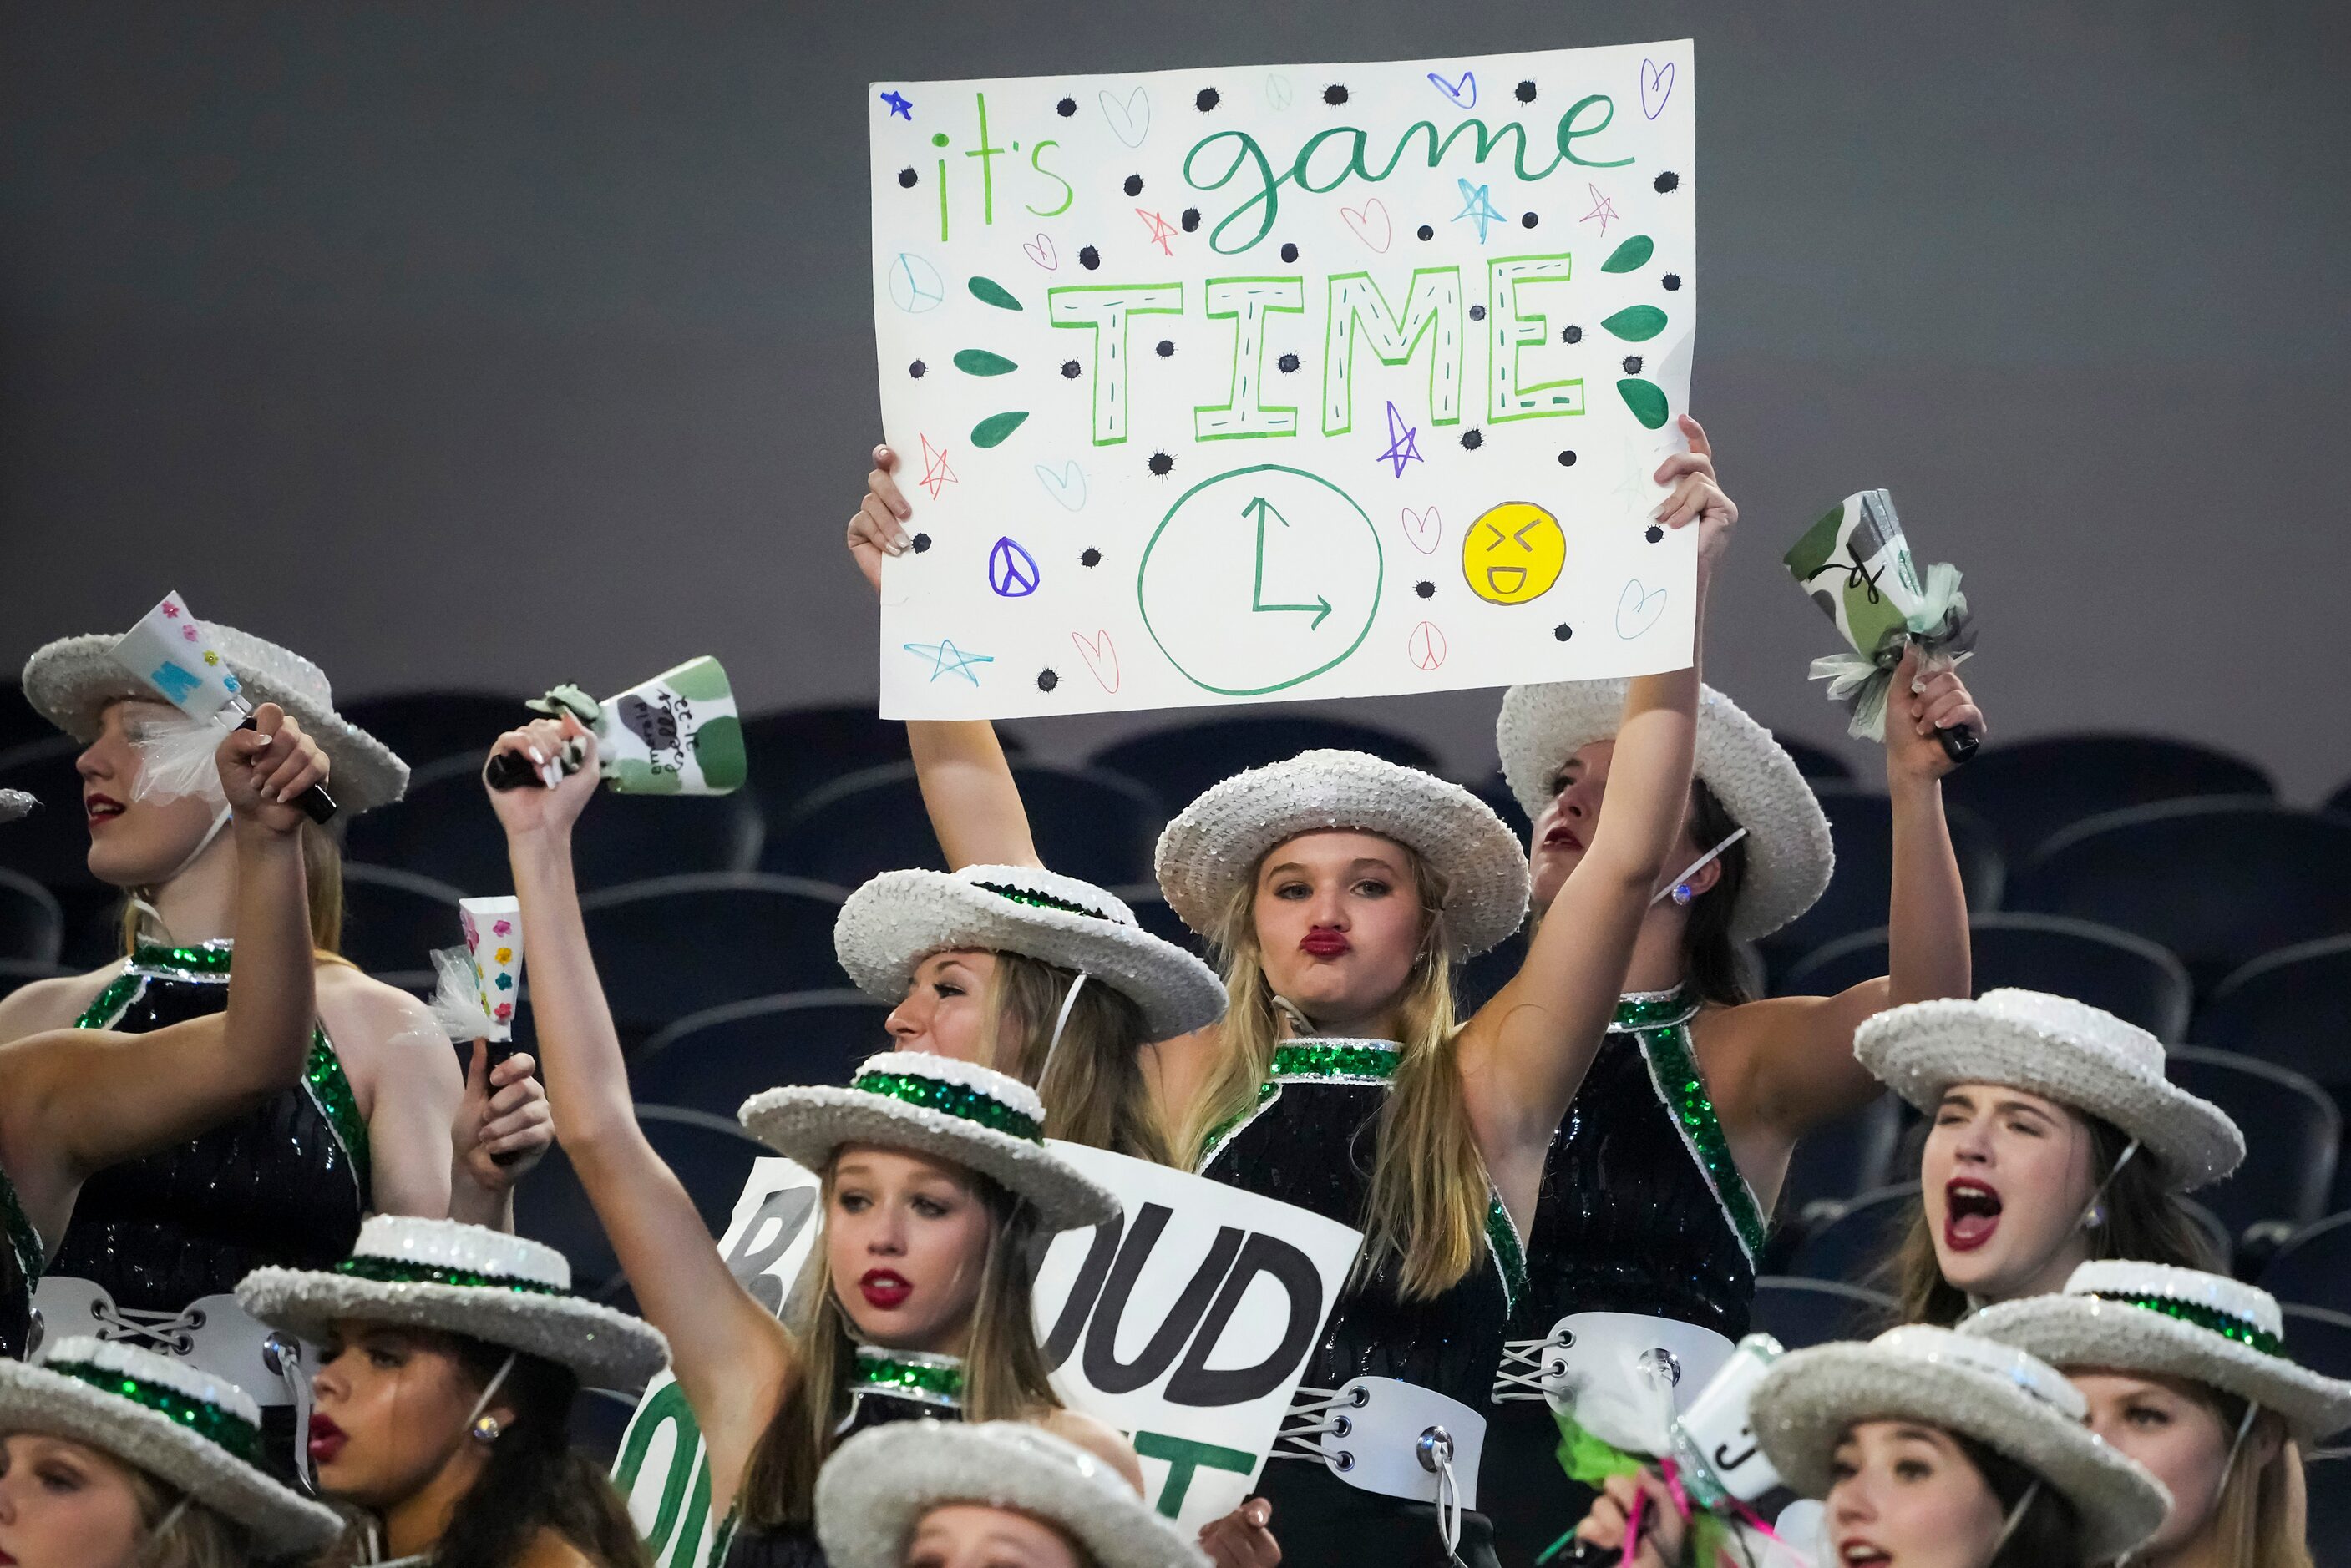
pixel 2228 1325
pixel 24 1236
pixel 909 1375
pixel 1510 1255
pixel 958 1100
pixel 1640 1010
pixel 223 1428
pixel 1673 1068
pixel 400 1272
pixel 209 961
pixel 1335 1062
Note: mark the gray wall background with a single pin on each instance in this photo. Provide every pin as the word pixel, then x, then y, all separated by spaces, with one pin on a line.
pixel 494 343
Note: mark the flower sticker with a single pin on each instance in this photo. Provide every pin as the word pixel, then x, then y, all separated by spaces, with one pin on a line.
pixel 189 633
pixel 503 955
pixel 505 1011
pixel 466 920
pixel 503 929
pixel 210 657
pixel 506 982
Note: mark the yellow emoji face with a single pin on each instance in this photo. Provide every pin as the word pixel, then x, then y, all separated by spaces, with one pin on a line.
pixel 1513 554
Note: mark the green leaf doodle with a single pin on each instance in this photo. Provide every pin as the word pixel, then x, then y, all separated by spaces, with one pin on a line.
pixel 1634 252
pixel 1637 323
pixel 980 362
pixel 1646 398
pixel 987 291
pixel 991 431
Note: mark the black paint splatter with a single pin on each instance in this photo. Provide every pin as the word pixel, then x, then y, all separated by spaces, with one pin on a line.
pixel 1673 280
pixel 1066 108
pixel 1191 219
pixel 1653 533
pixel 906 177
pixel 916 369
pixel 1207 100
pixel 1632 364
pixel 1133 186
pixel 1290 252
pixel 1425 233
pixel 1571 335
pixel 1528 220
pixel 1287 364
pixel 1526 92
pixel 1072 368
pixel 1567 460
pixel 1090 258
pixel 1666 182
pixel 1562 631
pixel 1334 95
pixel 1472 439
pixel 1047 680
pixel 1162 464
pixel 1424 589
pixel 1477 313
pixel 922 542
pixel 1167 348
pixel 1090 558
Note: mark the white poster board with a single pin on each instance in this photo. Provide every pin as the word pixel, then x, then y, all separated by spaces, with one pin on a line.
pixel 1187 1326
pixel 1318 380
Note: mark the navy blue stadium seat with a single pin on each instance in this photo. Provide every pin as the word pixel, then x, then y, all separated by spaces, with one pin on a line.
pixel 598 1418
pixel 1861 823
pixel 2292 1131
pixel 675 945
pixel 711 1154
pixel 15 973
pixel 791 751
pixel 393 919
pixel 2028 790
pixel 2319 1338
pixel 2129 976
pixel 2218 881
pixel 2339 803
pixel 425 727
pixel 2291 1007
pixel 50 843
pixel 1834 1164
pixel 20 724
pixel 445 829
pixel 1818 763
pixel 31 924
pixel 1180 762
pixel 1853 1244
pixel 715 1059
pixel 1800 1313
pixel 2313 1267
pixel 1085 823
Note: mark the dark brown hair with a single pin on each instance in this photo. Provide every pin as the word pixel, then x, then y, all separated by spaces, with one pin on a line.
pixel 1709 955
pixel 2049 1534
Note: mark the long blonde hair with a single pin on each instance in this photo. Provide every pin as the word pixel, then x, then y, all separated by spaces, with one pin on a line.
pixel 196 1538
pixel 1004 1375
pixel 1094 1090
pixel 1430 1192
pixel 2251 1520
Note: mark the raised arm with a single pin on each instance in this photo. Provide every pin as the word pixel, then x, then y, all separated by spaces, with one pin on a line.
pixel 75 1101
pixel 730 1356
pixel 968 788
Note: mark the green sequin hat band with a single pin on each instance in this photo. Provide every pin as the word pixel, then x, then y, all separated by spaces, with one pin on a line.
pixel 214 1420
pixel 393 1271
pixel 913 1079
pixel 1036 900
pixel 2211 1319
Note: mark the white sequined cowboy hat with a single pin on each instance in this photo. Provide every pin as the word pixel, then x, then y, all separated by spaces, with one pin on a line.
pixel 70 681
pixel 2152 1318
pixel 1211 851
pixel 957 1111
pixel 875 1491
pixel 1789 857
pixel 2075 1054
pixel 893 922
pixel 2004 1398
pixel 185 1427
pixel 466 1280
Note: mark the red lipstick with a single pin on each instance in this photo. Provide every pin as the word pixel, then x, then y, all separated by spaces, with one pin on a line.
pixel 99 809
pixel 1970 1213
pixel 885 1289
pixel 1326 942
pixel 327 1439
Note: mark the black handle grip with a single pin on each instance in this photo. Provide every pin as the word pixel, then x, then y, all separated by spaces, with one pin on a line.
pixel 510 770
pixel 1959 743
pixel 316 803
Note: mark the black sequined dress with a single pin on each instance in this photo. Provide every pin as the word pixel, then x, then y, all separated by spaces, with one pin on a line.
pixel 1310 1141
pixel 20 1270
pixel 897 1386
pixel 285 1183
pixel 1643 1210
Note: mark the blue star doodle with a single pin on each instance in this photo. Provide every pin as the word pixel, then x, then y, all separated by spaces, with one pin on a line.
pixel 900 105
pixel 1404 443
pixel 1478 205
pixel 946 658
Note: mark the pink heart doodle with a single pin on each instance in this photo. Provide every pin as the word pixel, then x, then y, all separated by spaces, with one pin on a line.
pixel 1099 654
pixel 1040 251
pixel 1424 531
pixel 1659 80
pixel 1360 219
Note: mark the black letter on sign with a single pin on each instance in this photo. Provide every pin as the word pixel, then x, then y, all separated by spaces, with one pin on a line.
pixel 1102 1362
pixel 1290 1268
pixel 790 1209
pixel 1083 1289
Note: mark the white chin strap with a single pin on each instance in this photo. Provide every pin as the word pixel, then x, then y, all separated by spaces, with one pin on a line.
pixel 1300 1025
pixel 1069 1001
pixel 220 820
pixel 1697 866
pixel 2016 1515
pixel 2091 1217
pixel 171 1517
pixel 490 1392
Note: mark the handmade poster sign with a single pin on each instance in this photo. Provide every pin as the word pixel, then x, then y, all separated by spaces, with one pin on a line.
pixel 1187 1325
pixel 1234 383
pixel 662 1468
